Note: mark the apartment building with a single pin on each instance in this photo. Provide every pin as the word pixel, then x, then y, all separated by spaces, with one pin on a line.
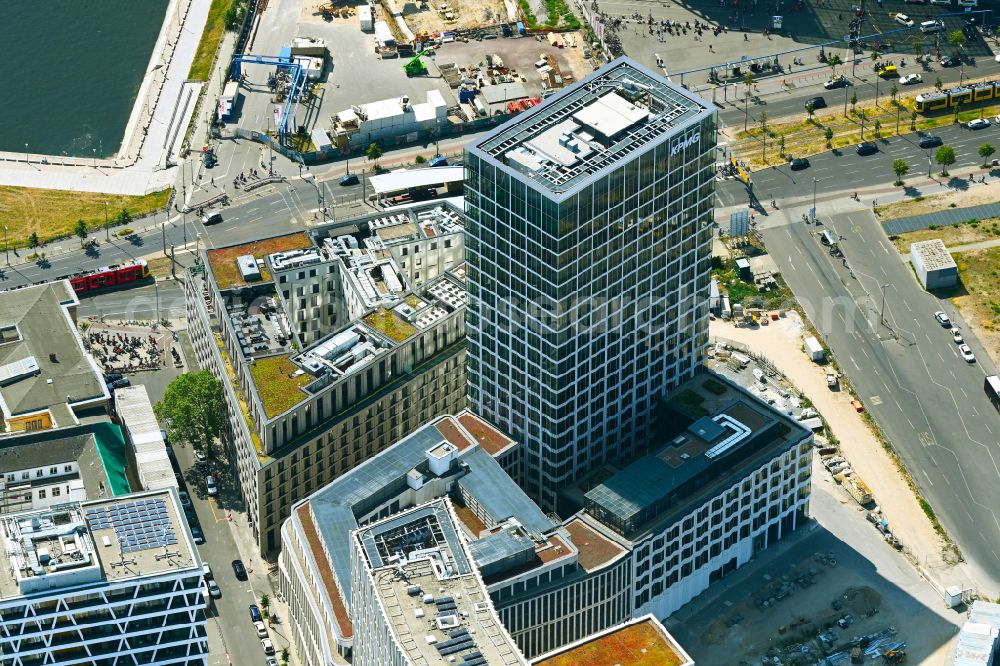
pixel 417 597
pixel 730 478
pixel 100 583
pixel 331 345
pixel 588 247
pixel 47 378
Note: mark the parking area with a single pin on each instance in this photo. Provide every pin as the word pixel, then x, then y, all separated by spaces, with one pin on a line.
pixel 831 587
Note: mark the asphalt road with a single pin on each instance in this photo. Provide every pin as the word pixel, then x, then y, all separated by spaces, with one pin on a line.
pixel 908 373
pixel 844 170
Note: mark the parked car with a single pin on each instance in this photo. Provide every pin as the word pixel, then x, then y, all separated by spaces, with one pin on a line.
pixel 271 661
pixel 261 629
pixel 817 103
pixel 867 148
pixel 858 407
pixel 213 589
pixel 120 383
pixel 112 377
pixel 200 456
pixel 951 61
pixel 910 79
pixel 210 485
pixel 942 319
pixel 211 218
pixel 799 163
pixel 966 353
pixel 348 179
pixel 255 615
pixel 199 538
pixel 956 335
pixel 185 498
pixel 929 141
pixel 978 123
pixel 240 570
pixel 837 82
pixel 903 19
pixel 267 645
pixel 438 161
pixel 206 571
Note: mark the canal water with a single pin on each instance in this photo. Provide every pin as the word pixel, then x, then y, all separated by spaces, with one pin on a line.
pixel 70 71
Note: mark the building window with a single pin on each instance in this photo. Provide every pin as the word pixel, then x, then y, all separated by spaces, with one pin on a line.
pixel 55 492
pixel 25 476
pixel 53 470
pixel 41 494
pixel 67 468
pixel 39 472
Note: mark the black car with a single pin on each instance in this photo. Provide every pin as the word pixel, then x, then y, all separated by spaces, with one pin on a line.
pixel 867 148
pixel 929 141
pixel 239 570
pixel 112 377
pixel 120 383
pixel 348 179
pixel 799 163
pixel 817 103
pixel 951 61
pixel 255 614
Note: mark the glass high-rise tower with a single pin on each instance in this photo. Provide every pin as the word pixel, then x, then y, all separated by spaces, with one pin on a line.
pixel 588 247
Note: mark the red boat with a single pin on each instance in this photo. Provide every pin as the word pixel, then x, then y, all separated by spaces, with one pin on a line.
pixel 108 276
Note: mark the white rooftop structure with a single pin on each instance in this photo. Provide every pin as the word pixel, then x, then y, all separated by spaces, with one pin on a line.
pixel 610 115
pixel 415 178
pixel 135 410
pixel 977 641
pixel 934 253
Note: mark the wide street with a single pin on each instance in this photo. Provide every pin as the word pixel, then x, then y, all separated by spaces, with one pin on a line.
pixel 843 170
pixel 926 398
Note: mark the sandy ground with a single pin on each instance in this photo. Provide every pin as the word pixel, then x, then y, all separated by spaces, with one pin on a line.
pixel 961 198
pixel 781 342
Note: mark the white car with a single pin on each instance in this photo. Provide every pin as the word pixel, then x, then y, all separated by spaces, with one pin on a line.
pixel 967 354
pixel 210 485
pixel 206 571
pixel 942 319
pixel 267 645
pixel 903 19
pixel 261 629
pixel 978 123
pixel 910 79
pixel 213 589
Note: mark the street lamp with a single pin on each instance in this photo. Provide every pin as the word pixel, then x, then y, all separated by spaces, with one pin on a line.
pixel 26 154
pixel 929 166
pixel 107 234
pixel 815 180
pixel 94 151
pixel 6 249
pixel 881 314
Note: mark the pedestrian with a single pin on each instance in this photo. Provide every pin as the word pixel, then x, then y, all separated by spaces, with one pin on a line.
pixel 710 49
pixel 745 37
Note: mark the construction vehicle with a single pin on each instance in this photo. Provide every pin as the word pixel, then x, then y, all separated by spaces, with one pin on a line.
pixel 894 656
pixel 416 66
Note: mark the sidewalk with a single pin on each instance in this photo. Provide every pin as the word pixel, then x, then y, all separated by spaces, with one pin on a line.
pixel 781 342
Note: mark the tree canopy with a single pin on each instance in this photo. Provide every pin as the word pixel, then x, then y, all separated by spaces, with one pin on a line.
pixel 193 409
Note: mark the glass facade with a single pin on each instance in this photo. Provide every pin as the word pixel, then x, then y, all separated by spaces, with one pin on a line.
pixel 586 306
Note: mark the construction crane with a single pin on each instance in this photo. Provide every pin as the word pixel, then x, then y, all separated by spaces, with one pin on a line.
pixel 416 66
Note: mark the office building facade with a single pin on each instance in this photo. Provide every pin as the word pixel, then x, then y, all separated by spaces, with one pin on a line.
pixel 588 244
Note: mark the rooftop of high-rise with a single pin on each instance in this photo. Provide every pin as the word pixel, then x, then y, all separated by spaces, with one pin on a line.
pixel 83 543
pixel 438 608
pixel 592 125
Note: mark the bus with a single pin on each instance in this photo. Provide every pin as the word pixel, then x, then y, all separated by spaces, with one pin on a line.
pixel 992 388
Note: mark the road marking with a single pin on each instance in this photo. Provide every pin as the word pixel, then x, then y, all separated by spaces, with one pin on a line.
pixel 790 262
pixel 928 477
pixel 883 270
pixel 945 477
pixel 988 428
pixel 983 537
pixel 884 248
pixel 865 353
pixel 857 367
pixel 940 357
pixel 875 400
pixel 964 393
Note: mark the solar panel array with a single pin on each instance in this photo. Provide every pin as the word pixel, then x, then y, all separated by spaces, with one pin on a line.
pixel 139 525
pixel 460 640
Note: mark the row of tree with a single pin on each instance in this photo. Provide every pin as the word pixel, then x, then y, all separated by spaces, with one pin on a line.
pixel 945 156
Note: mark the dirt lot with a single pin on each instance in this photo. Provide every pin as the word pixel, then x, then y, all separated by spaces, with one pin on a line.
pixel 957 234
pixel 520 55
pixel 428 16
pixel 787 602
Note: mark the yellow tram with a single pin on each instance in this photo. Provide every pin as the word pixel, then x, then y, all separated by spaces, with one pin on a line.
pixel 954 96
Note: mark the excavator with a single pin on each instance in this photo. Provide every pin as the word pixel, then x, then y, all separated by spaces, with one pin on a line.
pixel 416 66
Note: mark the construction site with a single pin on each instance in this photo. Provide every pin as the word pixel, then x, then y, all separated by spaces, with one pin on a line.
pixel 400 73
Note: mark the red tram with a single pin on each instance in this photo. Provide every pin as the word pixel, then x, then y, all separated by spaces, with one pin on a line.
pixel 108 276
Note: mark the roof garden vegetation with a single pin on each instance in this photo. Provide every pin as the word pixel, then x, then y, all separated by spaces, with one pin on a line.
pixel 223 260
pixel 635 645
pixel 278 385
pixel 595 549
pixel 390 324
